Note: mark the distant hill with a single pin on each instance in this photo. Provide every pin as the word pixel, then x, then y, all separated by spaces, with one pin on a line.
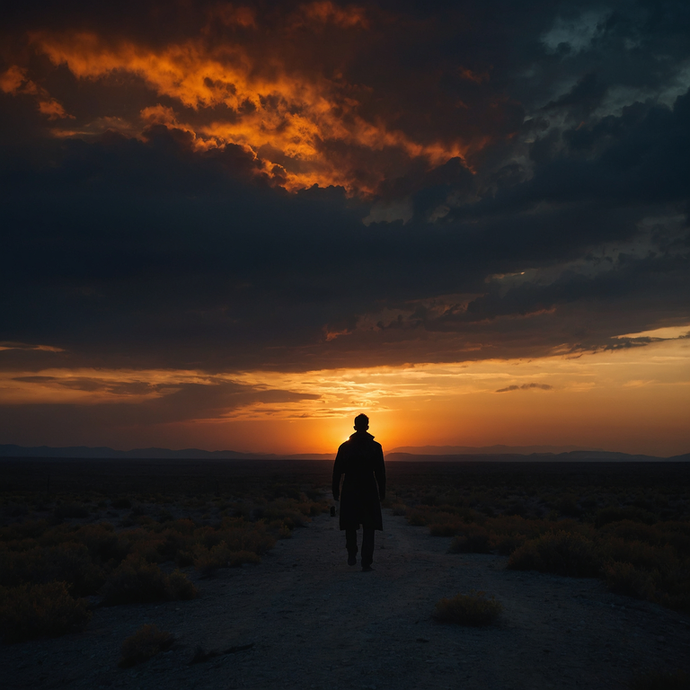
pixel 574 456
pixel 491 450
pixel 103 452
pixel 406 453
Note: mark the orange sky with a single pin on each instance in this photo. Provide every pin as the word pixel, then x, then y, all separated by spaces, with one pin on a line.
pixel 632 400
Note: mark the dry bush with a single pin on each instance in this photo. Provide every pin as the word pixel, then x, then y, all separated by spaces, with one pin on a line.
pixel 417 517
pixel 30 611
pixel 144 644
pixel 68 562
pixel 472 539
pixel 103 543
pixel 445 528
pixel 661 680
pixel 616 514
pixel 562 553
pixel 135 581
pixel 634 531
pixel 70 510
pixel 222 556
pixel 468 609
pixel 624 578
pixel 638 553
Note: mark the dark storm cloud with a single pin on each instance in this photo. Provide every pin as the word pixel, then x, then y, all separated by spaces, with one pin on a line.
pixel 147 251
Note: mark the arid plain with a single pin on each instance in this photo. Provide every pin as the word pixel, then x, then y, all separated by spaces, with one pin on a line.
pixel 589 562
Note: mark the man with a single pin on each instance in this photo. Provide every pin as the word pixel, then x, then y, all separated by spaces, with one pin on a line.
pixel 360 459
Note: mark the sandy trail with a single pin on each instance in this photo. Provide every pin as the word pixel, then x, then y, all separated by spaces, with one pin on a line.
pixel 318 623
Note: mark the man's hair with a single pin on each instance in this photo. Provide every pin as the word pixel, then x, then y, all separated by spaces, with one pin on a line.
pixel 361 421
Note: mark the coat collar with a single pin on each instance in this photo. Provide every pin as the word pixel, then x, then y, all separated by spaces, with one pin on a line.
pixel 361 436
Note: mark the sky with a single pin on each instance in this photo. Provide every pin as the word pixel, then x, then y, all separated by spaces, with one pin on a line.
pixel 236 226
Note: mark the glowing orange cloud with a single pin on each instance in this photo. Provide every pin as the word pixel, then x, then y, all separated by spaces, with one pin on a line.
pixel 286 119
pixel 329 13
pixel 15 81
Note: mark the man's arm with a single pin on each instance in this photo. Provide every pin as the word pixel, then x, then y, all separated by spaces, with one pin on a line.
pixel 337 473
pixel 380 473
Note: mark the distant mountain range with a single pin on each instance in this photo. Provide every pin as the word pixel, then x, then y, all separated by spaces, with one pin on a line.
pixel 409 453
pixel 491 450
pixel 103 452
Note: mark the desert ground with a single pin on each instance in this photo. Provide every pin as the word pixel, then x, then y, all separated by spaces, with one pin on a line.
pixel 303 618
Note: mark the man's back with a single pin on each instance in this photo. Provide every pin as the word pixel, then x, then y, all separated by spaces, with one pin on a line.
pixel 360 459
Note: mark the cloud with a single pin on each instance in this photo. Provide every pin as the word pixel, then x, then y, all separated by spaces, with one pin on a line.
pixel 525 387
pixel 317 128
pixel 130 404
pixel 14 81
pixel 173 223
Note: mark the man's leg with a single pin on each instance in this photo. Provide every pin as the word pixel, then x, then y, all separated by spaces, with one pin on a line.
pixel 367 547
pixel 351 546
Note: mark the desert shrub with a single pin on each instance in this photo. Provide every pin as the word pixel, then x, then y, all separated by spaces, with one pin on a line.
pixel 447 528
pixel 568 506
pixel 144 644
pixel 661 680
pixel 30 611
pixel 638 553
pixel 70 510
pixel 472 539
pixel 68 562
pixel 562 553
pixel 180 587
pixel 103 543
pixel 31 529
pixel 284 532
pixel 634 531
pixel 624 578
pixel 616 514
pixel 222 556
pixel 135 581
pixel 417 518
pixel 468 609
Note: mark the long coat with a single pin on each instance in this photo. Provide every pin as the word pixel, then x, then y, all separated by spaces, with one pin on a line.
pixel 361 461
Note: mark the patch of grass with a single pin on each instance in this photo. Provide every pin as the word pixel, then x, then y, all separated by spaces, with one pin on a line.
pixel 144 644
pixel 474 609
pixel 31 611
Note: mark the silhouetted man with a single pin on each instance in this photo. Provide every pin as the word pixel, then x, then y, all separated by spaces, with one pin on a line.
pixel 360 459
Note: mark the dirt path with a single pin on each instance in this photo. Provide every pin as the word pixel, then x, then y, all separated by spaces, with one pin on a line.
pixel 316 622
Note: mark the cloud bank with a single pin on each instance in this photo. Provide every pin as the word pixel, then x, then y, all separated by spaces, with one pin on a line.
pixel 318 185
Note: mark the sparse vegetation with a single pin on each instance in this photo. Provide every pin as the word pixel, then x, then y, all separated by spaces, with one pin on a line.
pixel 120 547
pixel 144 644
pixel 29 611
pixel 561 552
pixel 474 609
pixel 629 525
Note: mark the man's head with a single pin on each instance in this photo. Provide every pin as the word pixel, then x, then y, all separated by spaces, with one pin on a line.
pixel 361 422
